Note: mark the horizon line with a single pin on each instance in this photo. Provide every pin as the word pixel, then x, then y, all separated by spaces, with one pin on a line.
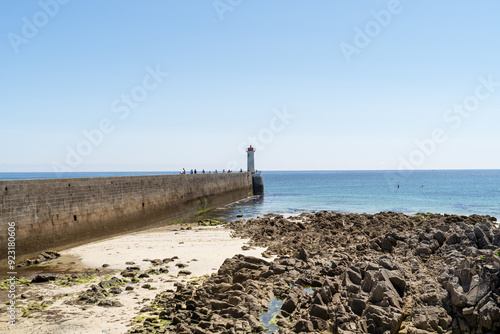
pixel 262 170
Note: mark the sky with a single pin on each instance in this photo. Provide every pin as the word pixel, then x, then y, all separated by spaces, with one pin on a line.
pixel 312 85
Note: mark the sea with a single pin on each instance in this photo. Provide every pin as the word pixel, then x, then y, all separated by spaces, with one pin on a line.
pixel 462 192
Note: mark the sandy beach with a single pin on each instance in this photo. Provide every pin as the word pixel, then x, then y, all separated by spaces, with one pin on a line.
pixel 199 250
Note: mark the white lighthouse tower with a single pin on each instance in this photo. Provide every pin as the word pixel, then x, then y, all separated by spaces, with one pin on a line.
pixel 250 160
pixel 257 181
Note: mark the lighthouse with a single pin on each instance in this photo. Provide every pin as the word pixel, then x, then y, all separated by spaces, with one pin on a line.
pixel 250 160
pixel 257 182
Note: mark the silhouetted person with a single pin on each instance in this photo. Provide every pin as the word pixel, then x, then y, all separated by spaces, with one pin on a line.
pixel 195 170
pixel 203 171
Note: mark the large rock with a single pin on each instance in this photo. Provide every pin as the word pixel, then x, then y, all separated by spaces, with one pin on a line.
pixel 387 243
pixel 481 238
pixel 423 250
pixel 433 319
pixel 456 291
pixel 387 318
pixel 489 316
pixel 109 303
pixel 369 281
pixel 349 284
pixel 319 311
pixel 219 305
pixel 358 306
pixel 42 278
pixel 238 262
pixel 290 303
pixel 234 312
pixel 303 326
pixel 385 290
pixel 439 236
pixel 478 288
pixel 326 293
pixel 398 283
pixel 354 276
pixel 320 324
pixel 453 239
pixel 254 323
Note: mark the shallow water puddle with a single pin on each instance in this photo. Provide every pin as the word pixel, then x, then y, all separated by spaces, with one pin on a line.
pixel 309 289
pixel 267 319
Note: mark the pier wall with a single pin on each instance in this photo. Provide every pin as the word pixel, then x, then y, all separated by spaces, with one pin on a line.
pixel 52 214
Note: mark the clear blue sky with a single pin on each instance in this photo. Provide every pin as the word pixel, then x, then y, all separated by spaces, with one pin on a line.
pixel 232 65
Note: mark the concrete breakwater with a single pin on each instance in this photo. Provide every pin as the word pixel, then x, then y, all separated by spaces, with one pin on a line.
pixel 258 184
pixel 58 213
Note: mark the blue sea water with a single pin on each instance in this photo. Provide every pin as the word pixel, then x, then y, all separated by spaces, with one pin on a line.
pixel 462 192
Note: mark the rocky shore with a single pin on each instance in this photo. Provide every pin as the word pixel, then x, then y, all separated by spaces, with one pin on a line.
pixel 346 273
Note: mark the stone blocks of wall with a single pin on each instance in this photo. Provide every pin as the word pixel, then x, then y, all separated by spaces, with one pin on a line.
pixel 58 213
